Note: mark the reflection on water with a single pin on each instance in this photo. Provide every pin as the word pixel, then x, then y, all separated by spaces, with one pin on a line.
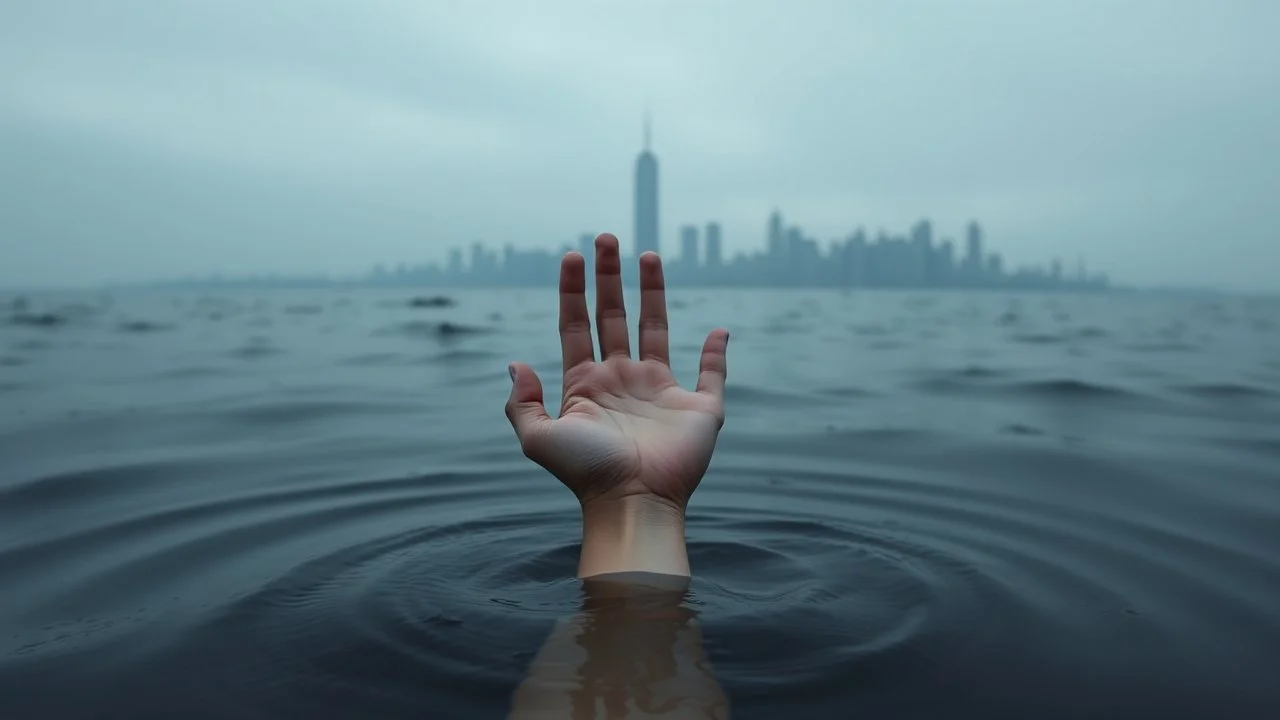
pixel 293 504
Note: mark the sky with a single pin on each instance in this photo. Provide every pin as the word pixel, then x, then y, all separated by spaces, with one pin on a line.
pixel 143 140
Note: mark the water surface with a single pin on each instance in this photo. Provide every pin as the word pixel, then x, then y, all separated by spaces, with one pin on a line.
pixel 263 504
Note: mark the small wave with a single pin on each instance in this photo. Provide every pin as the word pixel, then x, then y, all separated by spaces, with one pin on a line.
pixel 1020 429
pixel 12 361
pixel 1266 447
pixel 1227 391
pixel 1162 347
pixel 142 327
pixel 39 320
pixel 424 329
pixel 195 371
pixel 848 392
pixel 256 351
pixel 758 396
pixel 299 411
pixel 1067 388
pixel 432 301
pixel 1038 338
pixel 967 378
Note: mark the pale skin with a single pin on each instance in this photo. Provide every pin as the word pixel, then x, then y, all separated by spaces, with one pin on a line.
pixel 633 446
pixel 630 443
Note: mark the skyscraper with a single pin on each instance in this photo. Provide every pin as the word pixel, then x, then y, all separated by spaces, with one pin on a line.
pixel 689 245
pixel 973 255
pixel 646 230
pixel 777 244
pixel 714 258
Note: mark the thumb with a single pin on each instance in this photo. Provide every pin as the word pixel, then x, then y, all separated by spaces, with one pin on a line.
pixel 524 407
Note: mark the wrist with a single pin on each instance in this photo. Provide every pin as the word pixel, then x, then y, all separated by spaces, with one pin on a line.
pixel 632 534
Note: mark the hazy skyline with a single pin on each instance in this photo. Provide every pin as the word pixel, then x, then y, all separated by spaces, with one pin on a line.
pixel 141 140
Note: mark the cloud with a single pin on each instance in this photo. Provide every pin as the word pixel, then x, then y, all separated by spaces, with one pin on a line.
pixel 1143 136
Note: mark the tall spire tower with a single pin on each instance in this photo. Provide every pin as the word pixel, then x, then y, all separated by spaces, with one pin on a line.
pixel 646 198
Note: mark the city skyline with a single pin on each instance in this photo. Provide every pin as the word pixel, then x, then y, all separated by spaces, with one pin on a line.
pixel 790 256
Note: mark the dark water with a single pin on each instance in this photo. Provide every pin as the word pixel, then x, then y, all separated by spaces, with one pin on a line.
pixel 291 504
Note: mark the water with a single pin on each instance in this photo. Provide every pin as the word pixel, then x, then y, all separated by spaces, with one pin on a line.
pixel 262 504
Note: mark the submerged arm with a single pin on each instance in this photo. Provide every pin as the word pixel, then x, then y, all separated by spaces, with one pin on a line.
pixel 634 650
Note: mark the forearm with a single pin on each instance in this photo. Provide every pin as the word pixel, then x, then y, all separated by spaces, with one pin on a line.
pixel 633 534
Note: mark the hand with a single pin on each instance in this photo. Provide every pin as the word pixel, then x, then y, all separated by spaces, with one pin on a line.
pixel 626 428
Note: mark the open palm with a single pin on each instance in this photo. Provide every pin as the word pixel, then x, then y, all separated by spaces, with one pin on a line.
pixel 626 427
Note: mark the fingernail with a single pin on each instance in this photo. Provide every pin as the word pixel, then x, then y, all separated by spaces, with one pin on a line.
pixel 512 370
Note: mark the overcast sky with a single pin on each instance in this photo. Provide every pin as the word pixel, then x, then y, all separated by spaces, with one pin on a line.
pixel 148 138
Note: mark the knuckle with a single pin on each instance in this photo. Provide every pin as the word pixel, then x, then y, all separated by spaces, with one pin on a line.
pixel 653 323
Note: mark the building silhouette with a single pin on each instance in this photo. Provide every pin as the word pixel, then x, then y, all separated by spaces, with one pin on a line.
pixel 646 198
pixel 789 257
pixel 713 258
pixel 689 246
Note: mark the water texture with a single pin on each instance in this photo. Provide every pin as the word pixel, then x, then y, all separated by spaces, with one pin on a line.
pixel 281 504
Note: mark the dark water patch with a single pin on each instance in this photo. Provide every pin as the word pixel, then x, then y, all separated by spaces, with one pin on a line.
pixel 1090 333
pixel 871 329
pixel 143 327
pixel 1264 447
pixel 1020 429
pixel 763 397
pixel 1068 389
pixel 303 309
pixel 9 386
pixel 256 351
pixel 1227 391
pixel 432 301
pixel 278 413
pixel 39 320
pixel 974 372
pixel 195 372
pixel 1163 347
pixel 12 361
pixel 1038 338
pixel 967 378
pixel 847 392
pixel 435 330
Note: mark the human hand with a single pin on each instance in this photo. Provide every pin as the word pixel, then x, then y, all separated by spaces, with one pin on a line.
pixel 626 428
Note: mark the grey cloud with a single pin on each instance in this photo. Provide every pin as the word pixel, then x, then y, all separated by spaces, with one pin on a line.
pixel 146 139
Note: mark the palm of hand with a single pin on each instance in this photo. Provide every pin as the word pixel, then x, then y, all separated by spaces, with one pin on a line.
pixel 625 427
